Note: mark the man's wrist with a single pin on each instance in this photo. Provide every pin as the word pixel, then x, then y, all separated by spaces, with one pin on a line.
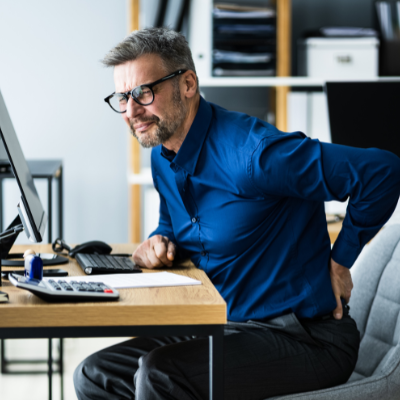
pixel 336 267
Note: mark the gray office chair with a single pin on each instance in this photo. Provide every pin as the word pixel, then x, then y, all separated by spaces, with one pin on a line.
pixel 375 305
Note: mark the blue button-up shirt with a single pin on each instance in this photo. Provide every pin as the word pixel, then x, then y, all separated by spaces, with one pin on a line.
pixel 246 203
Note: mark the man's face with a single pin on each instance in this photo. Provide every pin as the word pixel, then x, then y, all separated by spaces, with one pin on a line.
pixel 156 123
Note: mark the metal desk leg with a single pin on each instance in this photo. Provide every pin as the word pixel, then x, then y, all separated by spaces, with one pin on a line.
pixel 217 364
pixel 50 369
pixel 50 209
pixel 60 204
pixel 3 358
pixel 61 367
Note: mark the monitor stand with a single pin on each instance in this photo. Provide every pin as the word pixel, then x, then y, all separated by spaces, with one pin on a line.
pixel 7 240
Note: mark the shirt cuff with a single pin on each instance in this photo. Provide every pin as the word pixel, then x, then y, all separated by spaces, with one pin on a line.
pixel 344 252
pixel 179 253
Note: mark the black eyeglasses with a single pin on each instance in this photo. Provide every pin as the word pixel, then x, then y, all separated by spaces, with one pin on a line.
pixel 143 94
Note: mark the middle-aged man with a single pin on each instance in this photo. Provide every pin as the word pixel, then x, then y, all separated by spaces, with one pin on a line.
pixel 245 202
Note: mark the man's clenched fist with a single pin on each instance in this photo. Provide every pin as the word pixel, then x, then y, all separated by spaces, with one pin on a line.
pixel 158 251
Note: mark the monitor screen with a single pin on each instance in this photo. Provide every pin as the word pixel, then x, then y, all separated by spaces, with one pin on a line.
pixel 365 114
pixel 33 216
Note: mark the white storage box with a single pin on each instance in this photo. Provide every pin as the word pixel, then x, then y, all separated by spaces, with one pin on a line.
pixel 333 58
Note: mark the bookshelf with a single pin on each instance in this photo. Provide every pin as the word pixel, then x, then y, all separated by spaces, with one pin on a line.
pixel 201 43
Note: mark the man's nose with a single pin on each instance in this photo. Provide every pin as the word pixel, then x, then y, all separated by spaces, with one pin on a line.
pixel 133 109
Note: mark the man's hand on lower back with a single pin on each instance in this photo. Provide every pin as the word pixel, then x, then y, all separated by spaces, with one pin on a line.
pixel 156 252
pixel 342 286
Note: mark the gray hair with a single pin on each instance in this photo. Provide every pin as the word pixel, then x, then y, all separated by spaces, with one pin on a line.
pixel 171 46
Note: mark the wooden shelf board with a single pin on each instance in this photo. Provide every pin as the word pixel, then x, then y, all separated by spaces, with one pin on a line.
pixel 282 81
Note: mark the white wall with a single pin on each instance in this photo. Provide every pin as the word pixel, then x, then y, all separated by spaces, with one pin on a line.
pixel 54 86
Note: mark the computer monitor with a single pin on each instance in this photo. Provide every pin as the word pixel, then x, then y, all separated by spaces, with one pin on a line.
pixel 30 208
pixel 365 114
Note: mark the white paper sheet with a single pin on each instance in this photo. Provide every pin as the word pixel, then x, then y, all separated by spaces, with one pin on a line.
pixel 123 281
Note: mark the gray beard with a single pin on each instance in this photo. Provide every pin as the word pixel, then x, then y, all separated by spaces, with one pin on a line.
pixel 165 128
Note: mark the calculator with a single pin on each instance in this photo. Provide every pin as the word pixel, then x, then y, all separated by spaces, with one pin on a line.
pixel 59 290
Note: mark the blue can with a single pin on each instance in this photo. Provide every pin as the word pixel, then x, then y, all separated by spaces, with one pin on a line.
pixel 33 267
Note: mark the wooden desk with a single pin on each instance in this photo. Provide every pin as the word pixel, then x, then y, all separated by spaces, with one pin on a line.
pixel 185 310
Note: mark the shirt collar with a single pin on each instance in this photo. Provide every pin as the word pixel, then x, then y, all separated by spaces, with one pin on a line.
pixel 189 152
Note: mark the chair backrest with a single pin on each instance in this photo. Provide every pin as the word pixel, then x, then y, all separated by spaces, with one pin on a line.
pixel 375 304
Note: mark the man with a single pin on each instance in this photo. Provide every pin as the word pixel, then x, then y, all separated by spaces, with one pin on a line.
pixel 246 203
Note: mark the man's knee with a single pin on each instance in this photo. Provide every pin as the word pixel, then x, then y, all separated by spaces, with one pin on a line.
pixel 79 380
pixel 165 373
pixel 84 375
pixel 152 377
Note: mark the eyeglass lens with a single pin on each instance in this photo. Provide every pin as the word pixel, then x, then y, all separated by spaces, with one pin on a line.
pixel 143 95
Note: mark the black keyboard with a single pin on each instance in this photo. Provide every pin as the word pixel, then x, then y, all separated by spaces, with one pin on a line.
pixel 106 264
pixel 57 290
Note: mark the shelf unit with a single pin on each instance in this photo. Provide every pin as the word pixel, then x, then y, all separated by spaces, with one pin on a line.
pixel 285 81
pixel 201 44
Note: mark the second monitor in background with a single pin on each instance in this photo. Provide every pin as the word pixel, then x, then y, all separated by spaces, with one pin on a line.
pixel 365 114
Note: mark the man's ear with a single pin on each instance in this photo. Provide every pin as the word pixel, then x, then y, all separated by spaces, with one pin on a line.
pixel 190 84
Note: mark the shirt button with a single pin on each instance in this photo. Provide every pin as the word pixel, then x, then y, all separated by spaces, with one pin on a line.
pixel 194 219
pixel 173 167
pixel 203 253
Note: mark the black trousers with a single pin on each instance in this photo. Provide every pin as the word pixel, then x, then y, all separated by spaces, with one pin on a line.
pixel 261 361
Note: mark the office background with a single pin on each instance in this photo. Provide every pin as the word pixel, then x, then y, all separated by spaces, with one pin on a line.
pixel 54 85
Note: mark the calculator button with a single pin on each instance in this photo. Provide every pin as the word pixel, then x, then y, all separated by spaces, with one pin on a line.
pixel 55 285
pixel 108 291
pixel 65 286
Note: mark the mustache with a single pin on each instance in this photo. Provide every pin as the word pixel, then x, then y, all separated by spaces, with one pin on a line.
pixel 143 120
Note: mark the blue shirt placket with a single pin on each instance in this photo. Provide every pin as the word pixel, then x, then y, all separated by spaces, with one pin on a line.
pixel 181 179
